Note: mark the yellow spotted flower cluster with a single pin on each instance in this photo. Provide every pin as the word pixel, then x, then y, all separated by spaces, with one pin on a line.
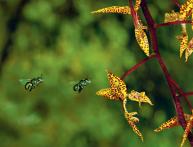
pixel 185 12
pixel 118 91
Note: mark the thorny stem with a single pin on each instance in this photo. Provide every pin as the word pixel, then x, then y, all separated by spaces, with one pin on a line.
pixel 174 88
pixel 137 65
pixel 172 23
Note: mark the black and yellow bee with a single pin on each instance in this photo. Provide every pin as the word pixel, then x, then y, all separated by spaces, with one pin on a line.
pixel 81 84
pixel 31 83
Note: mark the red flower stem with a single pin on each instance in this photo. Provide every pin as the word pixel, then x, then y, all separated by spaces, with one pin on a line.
pixel 172 23
pixel 133 14
pixel 137 66
pixel 187 94
pixel 153 34
pixel 181 93
pixel 176 2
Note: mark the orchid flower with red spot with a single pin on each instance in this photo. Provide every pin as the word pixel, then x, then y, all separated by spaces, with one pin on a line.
pixel 118 91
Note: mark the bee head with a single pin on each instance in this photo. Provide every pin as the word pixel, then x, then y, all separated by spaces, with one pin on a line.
pixel 87 80
pixel 40 79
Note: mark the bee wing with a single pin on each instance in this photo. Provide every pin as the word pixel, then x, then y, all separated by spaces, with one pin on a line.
pixel 24 81
pixel 89 81
pixel 72 82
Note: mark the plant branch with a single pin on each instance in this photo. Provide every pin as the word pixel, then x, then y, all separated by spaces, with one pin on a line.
pixel 173 23
pixel 133 14
pixel 12 25
pixel 181 92
pixel 153 34
pixel 186 94
pixel 137 66
pixel 176 2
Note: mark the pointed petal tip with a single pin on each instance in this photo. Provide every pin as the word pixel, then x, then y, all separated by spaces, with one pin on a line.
pixel 147 54
pixel 94 12
pixel 183 141
pixel 141 137
pixel 156 130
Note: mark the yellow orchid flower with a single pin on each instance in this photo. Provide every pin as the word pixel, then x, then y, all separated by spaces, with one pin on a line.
pixel 186 10
pixel 118 91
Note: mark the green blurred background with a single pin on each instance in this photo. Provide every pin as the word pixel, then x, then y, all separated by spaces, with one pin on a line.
pixel 62 40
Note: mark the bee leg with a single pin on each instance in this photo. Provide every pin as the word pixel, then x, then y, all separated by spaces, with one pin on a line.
pixel 80 89
pixel 28 86
pixel 32 87
pixel 76 87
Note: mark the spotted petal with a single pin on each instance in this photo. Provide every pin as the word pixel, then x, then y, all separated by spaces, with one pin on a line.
pixel 135 129
pixel 137 5
pixel 139 97
pixel 189 49
pixel 183 43
pixel 118 9
pixel 186 9
pixel 172 123
pixel 132 121
pixel 172 16
pixel 130 117
pixel 107 93
pixel 117 85
pixel 187 130
pixel 192 20
pixel 169 124
pixel 114 9
pixel 141 38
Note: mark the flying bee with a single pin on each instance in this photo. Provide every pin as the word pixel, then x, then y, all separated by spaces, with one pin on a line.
pixel 31 83
pixel 81 84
